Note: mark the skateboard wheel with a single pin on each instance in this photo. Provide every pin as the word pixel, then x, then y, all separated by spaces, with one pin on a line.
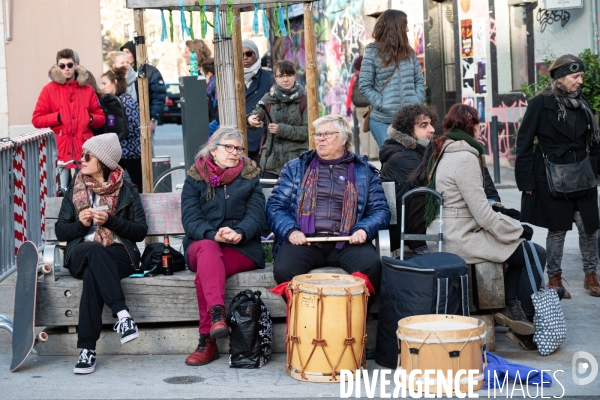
pixel 46 269
pixel 69 313
pixel 68 293
pixel 42 337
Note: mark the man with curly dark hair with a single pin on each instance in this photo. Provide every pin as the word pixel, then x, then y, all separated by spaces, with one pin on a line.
pixel 410 132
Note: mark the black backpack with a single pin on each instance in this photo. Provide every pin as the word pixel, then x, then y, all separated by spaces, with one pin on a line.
pixel 116 120
pixel 435 283
pixel 152 258
pixel 357 99
pixel 251 331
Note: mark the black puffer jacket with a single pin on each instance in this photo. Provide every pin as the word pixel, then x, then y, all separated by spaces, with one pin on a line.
pixel 128 223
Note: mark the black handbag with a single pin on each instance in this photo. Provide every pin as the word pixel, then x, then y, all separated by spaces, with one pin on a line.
pixel 152 258
pixel 570 181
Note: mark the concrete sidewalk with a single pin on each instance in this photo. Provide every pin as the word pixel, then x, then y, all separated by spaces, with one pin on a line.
pixel 144 376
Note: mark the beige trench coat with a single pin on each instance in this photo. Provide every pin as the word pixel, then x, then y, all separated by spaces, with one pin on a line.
pixel 472 229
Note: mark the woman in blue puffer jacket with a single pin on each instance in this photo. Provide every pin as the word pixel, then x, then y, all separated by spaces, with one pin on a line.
pixel 390 61
pixel 329 191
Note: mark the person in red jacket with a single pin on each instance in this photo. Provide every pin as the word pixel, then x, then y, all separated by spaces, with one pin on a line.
pixel 70 107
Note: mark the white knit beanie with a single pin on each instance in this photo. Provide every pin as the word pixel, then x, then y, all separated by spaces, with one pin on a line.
pixel 106 148
pixel 249 43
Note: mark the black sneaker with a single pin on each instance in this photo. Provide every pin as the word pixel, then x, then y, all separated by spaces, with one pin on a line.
pixel 86 363
pixel 127 328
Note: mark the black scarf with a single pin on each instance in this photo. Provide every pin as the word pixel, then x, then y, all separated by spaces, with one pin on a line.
pixel 287 95
pixel 573 100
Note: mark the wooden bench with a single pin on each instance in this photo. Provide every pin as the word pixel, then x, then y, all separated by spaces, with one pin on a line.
pixel 164 299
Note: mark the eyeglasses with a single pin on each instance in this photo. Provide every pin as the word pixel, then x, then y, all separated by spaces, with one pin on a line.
pixel 68 66
pixel 87 156
pixel 248 53
pixel 283 76
pixel 229 148
pixel 323 135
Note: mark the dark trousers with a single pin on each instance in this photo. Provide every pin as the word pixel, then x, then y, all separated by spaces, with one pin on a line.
pixel 134 169
pixel 101 269
pixel 295 260
pixel 516 279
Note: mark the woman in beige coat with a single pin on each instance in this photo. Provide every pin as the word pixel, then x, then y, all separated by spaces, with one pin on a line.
pixel 472 229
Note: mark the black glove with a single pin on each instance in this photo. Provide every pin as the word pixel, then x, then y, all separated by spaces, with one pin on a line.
pixel 527 232
pixel 511 212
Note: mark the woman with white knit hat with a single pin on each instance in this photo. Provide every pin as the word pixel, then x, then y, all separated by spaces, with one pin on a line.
pixel 101 219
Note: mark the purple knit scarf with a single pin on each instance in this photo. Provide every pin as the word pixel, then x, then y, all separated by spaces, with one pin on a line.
pixel 308 197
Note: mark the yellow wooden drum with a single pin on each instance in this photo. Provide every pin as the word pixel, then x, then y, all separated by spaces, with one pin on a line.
pixel 442 342
pixel 326 326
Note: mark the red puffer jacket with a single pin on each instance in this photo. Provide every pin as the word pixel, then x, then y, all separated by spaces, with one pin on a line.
pixel 76 102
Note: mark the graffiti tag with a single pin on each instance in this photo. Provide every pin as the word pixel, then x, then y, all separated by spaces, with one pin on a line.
pixel 549 17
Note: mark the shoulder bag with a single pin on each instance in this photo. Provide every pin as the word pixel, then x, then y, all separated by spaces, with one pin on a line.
pixel 365 125
pixel 570 181
pixel 549 320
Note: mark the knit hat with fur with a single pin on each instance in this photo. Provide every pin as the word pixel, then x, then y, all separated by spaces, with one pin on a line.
pixel 106 148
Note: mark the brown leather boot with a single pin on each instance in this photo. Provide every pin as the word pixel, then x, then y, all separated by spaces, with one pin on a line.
pixel 206 352
pixel 556 281
pixel 591 283
pixel 218 328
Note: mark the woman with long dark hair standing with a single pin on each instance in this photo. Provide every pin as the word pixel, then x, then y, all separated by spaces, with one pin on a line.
pixel 567 132
pixel 391 76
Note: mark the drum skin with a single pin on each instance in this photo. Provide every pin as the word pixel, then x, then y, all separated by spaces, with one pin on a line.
pixel 434 337
pixel 326 326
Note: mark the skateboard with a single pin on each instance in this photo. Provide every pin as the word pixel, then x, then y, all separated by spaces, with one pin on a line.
pixel 24 337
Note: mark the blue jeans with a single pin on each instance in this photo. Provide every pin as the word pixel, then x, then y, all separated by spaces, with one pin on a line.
pixel 379 131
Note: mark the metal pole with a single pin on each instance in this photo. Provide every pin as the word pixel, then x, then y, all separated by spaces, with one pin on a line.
pixel 495 152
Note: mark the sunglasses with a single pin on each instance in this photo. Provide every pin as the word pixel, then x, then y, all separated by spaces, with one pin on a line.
pixel 63 66
pixel 87 157
pixel 248 53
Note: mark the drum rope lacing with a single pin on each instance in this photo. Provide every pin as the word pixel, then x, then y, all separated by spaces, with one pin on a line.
pixel 319 341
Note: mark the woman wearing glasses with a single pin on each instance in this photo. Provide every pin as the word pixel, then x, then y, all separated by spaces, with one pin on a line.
pixel 329 191
pixel 286 120
pixel 223 213
pixel 101 219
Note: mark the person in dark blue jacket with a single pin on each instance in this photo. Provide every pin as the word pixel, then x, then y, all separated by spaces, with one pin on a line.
pixel 223 213
pixel 329 191
pixel 157 91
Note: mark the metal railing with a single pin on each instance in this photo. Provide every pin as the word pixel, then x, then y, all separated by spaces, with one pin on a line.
pixel 27 178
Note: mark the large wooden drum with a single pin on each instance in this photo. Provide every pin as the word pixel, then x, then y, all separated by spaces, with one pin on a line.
pixel 326 326
pixel 442 342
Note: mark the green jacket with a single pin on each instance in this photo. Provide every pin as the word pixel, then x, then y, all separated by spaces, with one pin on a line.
pixel 291 139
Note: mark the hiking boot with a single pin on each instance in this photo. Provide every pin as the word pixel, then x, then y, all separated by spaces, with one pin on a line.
pixel 591 283
pixel 218 328
pixel 525 341
pixel 556 282
pixel 86 363
pixel 514 317
pixel 127 328
pixel 206 352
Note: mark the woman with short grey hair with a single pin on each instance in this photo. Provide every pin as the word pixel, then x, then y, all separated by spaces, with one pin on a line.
pixel 223 213
pixel 342 127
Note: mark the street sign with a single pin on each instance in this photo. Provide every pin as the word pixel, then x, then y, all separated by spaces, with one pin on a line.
pixel 560 4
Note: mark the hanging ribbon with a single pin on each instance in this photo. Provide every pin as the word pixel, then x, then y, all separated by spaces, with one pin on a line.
pixel 163 35
pixel 265 21
pixel 203 19
pixel 282 21
pixel 275 20
pixel 192 23
pixel 230 20
pixel 184 28
pixel 171 22
pixel 217 18
pixel 287 17
pixel 255 19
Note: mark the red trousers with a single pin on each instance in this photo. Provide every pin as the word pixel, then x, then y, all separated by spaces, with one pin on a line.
pixel 213 263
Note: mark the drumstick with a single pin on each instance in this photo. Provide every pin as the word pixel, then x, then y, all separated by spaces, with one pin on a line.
pixel 328 239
